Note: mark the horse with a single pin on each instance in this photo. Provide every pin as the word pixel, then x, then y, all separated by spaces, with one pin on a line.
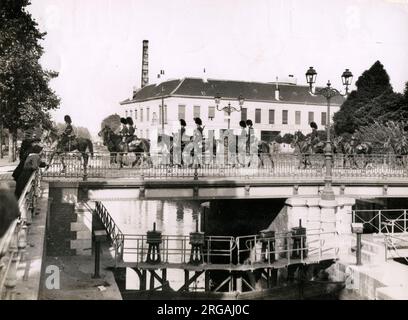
pixel 304 148
pixel 238 148
pixel 139 146
pixel 82 145
pixel 355 148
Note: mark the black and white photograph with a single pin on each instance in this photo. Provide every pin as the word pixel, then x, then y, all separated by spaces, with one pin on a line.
pixel 203 150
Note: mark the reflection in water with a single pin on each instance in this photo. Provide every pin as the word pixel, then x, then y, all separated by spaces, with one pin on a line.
pixel 138 216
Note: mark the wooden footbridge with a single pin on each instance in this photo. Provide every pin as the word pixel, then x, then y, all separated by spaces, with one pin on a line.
pixel 241 259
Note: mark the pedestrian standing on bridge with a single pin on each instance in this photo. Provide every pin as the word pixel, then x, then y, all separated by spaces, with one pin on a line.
pixel 30 140
pixel 31 164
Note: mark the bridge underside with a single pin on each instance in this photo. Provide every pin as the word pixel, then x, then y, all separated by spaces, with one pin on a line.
pixel 176 189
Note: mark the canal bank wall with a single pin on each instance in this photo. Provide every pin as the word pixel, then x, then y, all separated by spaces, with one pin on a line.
pixel 377 278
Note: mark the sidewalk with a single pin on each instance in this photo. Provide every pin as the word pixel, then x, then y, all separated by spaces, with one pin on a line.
pixel 6 171
pixel 76 282
pixel 6 166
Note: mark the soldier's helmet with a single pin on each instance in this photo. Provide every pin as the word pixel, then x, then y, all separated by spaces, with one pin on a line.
pixel 198 121
pixel 249 123
pixel 123 120
pixel 183 122
pixel 67 119
pixel 313 125
pixel 129 120
pixel 242 124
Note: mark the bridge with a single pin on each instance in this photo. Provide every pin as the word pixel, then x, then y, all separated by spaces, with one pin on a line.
pixel 326 223
pixel 285 176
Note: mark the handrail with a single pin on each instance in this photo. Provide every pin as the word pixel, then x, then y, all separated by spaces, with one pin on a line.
pixel 381 219
pixel 227 249
pixel 389 242
pixel 115 234
pixel 159 165
pixel 15 240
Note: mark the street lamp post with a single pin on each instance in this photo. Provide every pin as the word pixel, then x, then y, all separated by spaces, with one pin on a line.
pixel 328 92
pixel 228 109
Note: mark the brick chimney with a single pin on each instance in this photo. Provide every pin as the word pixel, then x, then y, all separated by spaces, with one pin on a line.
pixel 145 64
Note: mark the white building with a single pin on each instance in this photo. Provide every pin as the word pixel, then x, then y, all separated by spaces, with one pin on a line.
pixel 273 107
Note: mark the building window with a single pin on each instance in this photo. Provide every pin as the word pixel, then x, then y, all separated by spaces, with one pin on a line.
pixel 141 115
pixel 244 114
pixel 131 114
pixel 135 114
pixel 324 115
pixel 271 116
pixel 297 117
pixel 284 116
pixel 147 133
pixel 165 114
pixel 147 114
pixel 126 113
pixel 257 115
pixel 196 112
pixel 311 116
pixel 181 112
pixel 211 113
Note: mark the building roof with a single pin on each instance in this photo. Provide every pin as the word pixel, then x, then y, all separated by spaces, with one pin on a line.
pixel 229 89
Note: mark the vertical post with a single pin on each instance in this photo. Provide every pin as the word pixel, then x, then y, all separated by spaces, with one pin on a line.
pixel 143 280
pixel 328 193
pixel 379 221
pixel 358 249
pixel 152 272
pixel 207 281
pixel 99 235
pixel 186 278
pixel 97 259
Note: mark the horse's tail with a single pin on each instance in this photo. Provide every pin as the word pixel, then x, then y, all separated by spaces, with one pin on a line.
pixel 90 147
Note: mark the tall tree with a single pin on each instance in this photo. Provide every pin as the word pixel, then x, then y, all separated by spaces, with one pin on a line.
pixel 112 121
pixel 371 84
pixel 25 95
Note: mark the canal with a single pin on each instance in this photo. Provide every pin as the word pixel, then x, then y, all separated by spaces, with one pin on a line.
pixel 225 217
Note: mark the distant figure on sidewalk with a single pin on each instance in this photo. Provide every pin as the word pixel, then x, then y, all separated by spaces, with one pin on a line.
pixel 32 163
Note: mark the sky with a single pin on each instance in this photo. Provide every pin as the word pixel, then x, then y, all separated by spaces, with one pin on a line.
pixel 96 45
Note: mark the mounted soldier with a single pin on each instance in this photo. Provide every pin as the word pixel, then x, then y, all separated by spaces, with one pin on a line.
pixel 242 143
pixel 316 144
pixel 198 139
pixel 124 132
pixel 130 136
pixel 68 134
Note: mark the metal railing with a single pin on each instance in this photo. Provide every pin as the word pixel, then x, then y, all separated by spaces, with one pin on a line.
pixel 255 249
pixel 388 221
pixel 395 245
pixel 160 165
pixel 114 233
pixel 177 249
pixel 14 242
pixel 226 250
